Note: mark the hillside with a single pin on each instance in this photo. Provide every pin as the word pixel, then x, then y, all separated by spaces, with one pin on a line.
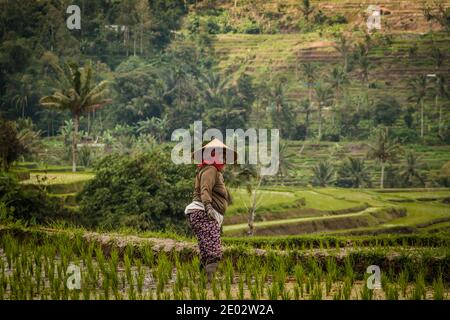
pixel 398 15
pixel 400 51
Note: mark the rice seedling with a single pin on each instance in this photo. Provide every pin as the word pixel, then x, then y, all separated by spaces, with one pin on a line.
pixel 215 289
pixel 403 282
pixel 296 292
pixel 241 288
pixel 317 293
pixel 338 295
pixel 391 291
pixel 193 291
pixel 139 276
pixel 365 293
pixel 347 289
pixel 272 291
pixel 438 289
pixel 419 290
pixel 286 295
pixel 202 292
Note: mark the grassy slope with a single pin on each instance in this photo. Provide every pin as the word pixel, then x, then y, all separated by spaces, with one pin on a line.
pixel 270 56
pixel 280 205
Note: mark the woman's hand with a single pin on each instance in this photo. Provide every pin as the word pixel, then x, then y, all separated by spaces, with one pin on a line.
pixel 209 210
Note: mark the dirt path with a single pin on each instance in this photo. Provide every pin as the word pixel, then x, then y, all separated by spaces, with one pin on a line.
pixel 297 220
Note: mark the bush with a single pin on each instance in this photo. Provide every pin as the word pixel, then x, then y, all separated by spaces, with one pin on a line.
pixel 304 26
pixel 386 111
pixel 30 204
pixel 146 192
pixel 331 134
pixel 299 132
pixel 212 27
pixel 11 148
pixel 193 24
pixel 85 156
pixel 337 19
pixel 405 135
pixel 250 27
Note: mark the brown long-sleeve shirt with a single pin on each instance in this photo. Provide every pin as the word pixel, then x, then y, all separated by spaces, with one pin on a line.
pixel 210 188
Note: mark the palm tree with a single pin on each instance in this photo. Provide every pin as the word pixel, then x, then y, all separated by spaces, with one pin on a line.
pixel 309 71
pixel 324 95
pixel 383 150
pixel 418 87
pixel 306 8
pixel 362 59
pixel 277 96
pixel 438 57
pixel 286 161
pixel 338 79
pixel 411 169
pixel 179 84
pixel 154 126
pixel 323 174
pixel 440 90
pixel 77 94
pixel 354 174
pixel 343 46
pixel 213 86
pixel 305 107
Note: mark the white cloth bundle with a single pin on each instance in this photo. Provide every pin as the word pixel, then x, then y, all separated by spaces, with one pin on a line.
pixel 197 205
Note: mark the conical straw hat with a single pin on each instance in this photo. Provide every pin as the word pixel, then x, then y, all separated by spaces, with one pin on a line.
pixel 215 144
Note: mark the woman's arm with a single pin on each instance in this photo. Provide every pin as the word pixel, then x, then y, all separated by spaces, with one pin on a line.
pixel 207 182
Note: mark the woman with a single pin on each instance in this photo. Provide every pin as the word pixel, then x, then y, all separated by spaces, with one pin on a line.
pixel 211 199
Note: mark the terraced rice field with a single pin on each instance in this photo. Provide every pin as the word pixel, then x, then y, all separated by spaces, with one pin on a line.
pixel 57 264
pixel 288 210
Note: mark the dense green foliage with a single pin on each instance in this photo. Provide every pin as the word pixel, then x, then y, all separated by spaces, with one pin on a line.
pixel 145 191
pixel 30 205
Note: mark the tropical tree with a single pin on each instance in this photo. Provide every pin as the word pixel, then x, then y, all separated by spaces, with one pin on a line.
pixel 309 71
pixel 386 111
pixel 21 99
pixel 338 80
pixel 15 142
pixel 154 126
pixel 213 86
pixel 307 9
pixel 228 113
pixel 363 61
pixel 323 174
pixel 353 173
pixel 383 150
pixel 344 46
pixel 419 87
pixel 440 90
pixel 305 107
pixel 324 95
pixel 179 87
pixel 437 11
pixel 78 94
pixel 410 171
pixel 438 57
pixel 250 177
pixel 277 95
pixel 286 161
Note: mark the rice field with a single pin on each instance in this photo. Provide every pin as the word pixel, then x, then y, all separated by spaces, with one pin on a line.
pixel 47 268
pixel 58 178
